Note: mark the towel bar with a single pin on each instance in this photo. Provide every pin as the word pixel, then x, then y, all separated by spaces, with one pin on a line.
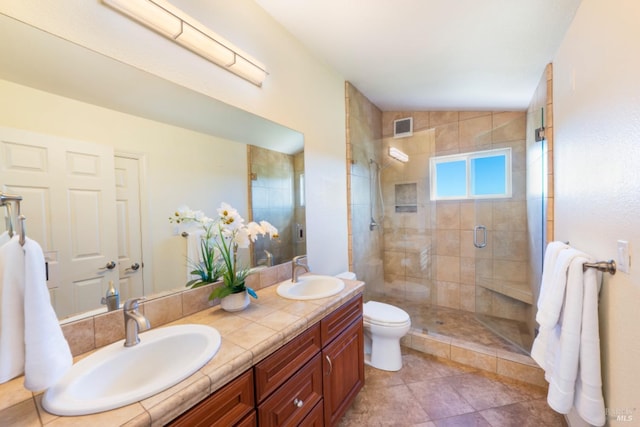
pixel 604 266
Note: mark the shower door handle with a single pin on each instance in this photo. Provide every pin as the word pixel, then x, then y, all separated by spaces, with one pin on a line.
pixel 477 243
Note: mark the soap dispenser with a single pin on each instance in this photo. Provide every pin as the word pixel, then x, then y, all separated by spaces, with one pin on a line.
pixel 112 298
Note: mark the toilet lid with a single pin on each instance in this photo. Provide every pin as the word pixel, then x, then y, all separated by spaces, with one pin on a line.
pixel 382 313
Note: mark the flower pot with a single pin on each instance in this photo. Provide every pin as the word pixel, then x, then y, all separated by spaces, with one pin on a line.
pixel 235 302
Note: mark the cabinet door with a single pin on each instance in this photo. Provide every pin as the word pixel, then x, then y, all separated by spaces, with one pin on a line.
pixel 343 368
pixel 226 407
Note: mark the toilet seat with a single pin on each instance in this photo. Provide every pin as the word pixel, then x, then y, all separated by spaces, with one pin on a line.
pixel 378 313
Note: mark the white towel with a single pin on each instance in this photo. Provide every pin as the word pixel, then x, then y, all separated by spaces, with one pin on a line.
pixel 588 395
pixel 552 292
pixel 550 258
pixel 568 345
pixel 562 359
pixel 194 253
pixel 550 301
pixel 11 310
pixel 47 353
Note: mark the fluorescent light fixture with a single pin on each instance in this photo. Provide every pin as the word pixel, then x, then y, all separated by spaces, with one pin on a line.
pixel 163 18
pixel 398 155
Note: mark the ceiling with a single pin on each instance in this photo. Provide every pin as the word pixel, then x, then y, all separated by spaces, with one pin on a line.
pixel 432 54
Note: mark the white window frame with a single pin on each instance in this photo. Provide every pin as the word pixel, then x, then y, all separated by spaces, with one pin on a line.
pixel 467 158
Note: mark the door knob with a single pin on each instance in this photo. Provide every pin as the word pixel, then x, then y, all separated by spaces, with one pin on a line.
pixel 134 267
pixel 110 266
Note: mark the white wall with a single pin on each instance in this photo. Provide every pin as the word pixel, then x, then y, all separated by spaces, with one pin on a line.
pixel 300 91
pixel 597 174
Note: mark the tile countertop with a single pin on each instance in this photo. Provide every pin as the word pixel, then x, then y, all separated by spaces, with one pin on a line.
pixel 247 337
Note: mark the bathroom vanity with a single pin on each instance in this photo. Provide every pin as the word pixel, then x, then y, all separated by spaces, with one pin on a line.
pixel 281 362
pixel 309 381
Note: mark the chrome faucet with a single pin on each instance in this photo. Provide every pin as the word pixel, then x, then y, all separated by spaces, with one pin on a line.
pixel 296 263
pixel 134 322
pixel 269 258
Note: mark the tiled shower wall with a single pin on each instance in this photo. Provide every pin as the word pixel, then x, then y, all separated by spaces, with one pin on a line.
pixel 427 253
pixel 364 125
pixel 430 254
pixel 272 190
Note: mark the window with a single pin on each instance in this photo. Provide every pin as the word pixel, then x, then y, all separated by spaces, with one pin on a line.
pixel 477 175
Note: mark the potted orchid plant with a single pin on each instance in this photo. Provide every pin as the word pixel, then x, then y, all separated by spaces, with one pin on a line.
pixel 219 245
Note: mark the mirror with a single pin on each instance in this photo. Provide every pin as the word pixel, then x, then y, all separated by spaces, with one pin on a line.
pixel 188 148
pixel 277 183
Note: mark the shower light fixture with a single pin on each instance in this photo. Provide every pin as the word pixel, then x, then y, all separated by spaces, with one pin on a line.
pixel 398 155
pixel 163 18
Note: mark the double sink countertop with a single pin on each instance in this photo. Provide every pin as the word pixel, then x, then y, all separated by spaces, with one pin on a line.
pixel 248 337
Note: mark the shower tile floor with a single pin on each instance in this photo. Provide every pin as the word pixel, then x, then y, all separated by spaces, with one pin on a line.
pixel 463 325
pixel 431 392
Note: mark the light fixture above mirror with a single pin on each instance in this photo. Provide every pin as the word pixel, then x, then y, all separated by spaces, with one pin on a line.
pixel 188 33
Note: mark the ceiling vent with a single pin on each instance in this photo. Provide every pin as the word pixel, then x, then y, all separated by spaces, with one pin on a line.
pixel 403 127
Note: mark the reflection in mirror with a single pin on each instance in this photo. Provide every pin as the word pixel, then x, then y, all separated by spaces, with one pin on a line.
pixel 179 146
pixel 276 196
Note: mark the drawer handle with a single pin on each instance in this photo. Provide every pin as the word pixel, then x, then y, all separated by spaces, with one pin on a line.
pixel 330 364
pixel 298 402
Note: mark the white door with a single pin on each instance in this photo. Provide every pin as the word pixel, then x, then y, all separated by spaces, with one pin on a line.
pixel 127 175
pixel 68 195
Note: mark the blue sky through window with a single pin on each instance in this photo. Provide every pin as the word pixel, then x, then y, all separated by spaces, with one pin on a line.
pixel 452 179
pixel 480 174
pixel 488 175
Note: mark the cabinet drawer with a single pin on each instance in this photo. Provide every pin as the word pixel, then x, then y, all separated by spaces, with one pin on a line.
pixel 277 368
pixel 332 325
pixel 291 403
pixel 226 407
pixel 250 420
pixel 315 417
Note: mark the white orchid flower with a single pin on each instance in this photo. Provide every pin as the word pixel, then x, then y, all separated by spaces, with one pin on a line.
pixel 269 229
pixel 254 229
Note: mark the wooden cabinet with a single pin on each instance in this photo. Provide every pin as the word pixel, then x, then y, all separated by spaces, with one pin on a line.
pixel 310 381
pixel 273 371
pixel 343 360
pixel 295 399
pixel 232 405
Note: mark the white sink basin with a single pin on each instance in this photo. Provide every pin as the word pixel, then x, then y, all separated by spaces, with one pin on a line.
pixel 310 286
pixel 116 375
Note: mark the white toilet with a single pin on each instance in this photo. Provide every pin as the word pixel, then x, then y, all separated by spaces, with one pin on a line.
pixel 384 325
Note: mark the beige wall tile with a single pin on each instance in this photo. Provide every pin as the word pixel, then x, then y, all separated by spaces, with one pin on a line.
pixel 429 345
pixel 448 294
pixel 80 335
pixel 448 268
pixel 161 311
pixel 518 371
pixel 474 358
pixel 448 242
pixel 509 126
pixel 475 133
pixel 446 138
pixel 448 216
pixel 437 118
pixel 109 328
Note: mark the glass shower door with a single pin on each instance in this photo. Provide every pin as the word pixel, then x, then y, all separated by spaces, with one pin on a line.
pixel 501 236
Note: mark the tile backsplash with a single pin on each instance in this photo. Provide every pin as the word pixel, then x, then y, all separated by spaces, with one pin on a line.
pixel 96 331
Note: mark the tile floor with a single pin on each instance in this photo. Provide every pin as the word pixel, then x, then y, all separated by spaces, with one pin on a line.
pixel 462 325
pixel 430 392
